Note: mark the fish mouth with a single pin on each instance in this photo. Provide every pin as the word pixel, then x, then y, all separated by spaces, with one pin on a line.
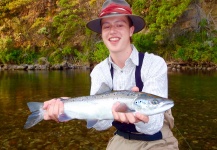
pixel 167 105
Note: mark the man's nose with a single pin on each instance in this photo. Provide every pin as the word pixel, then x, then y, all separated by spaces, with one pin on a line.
pixel 113 29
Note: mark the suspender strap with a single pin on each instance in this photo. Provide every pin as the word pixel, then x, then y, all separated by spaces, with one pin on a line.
pixel 138 78
pixel 112 72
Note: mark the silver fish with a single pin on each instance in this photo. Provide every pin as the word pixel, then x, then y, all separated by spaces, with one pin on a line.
pixel 99 107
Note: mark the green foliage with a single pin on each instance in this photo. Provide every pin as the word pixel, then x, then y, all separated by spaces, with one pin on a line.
pixel 56 57
pixel 13 55
pixel 67 53
pixel 43 30
pixel 145 42
pixel 80 57
pixel 201 48
pixel 100 53
pixel 67 50
pixel 198 46
pixel 29 30
pixel 160 15
pixel 197 52
pixel 68 22
pixel 6 49
pixel 8 8
pixel 28 55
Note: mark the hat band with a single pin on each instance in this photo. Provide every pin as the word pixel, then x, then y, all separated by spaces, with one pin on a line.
pixel 114 8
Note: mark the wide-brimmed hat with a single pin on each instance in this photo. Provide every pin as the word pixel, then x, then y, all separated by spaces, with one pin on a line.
pixel 113 8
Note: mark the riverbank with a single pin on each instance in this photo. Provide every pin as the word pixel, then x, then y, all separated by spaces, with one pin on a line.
pixel 185 66
pixel 43 66
pixel 172 66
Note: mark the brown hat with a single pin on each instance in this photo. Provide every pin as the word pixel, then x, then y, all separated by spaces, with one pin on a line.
pixel 113 8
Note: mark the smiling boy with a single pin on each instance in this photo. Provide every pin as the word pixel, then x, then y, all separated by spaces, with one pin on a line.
pixel 127 69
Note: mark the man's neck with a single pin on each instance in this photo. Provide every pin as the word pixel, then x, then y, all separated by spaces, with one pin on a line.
pixel 119 58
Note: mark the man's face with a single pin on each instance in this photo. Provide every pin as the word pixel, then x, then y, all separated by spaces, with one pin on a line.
pixel 116 33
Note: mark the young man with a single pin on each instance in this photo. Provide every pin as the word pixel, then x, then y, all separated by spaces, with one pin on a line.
pixel 126 69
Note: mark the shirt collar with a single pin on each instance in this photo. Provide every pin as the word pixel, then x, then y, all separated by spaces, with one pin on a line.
pixel 132 59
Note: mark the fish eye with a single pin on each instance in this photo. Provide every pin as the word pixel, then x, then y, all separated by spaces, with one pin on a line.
pixel 155 102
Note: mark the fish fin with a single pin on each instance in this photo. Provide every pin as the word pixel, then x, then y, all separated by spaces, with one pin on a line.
pixel 36 116
pixel 122 107
pixel 63 117
pixel 104 88
pixel 91 123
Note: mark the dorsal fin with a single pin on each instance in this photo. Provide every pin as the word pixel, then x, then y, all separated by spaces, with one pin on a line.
pixel 104 88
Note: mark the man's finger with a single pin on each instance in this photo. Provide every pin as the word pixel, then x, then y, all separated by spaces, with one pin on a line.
pixel 142 117
pixel 135 89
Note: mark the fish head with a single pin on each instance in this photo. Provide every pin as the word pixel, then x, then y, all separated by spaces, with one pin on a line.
pixel 150 105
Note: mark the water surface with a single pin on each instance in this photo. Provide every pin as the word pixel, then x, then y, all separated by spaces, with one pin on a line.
pixel 195 110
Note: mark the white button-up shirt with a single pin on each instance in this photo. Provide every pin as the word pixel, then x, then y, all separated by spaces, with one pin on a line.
pixel 154 78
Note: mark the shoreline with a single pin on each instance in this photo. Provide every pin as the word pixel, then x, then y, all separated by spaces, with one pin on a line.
pixel 172 67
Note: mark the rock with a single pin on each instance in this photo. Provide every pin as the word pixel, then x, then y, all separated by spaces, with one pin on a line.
pixel 210 68
pixel 183 68
pixel 56 67
pixel 174 69
pixel 31 67
pixel 5 67
pixel 204 68
pixel 71 66
pixel 21 67
pixel 178 66
pixel 41 67
pixel 169 68
pixel 64 65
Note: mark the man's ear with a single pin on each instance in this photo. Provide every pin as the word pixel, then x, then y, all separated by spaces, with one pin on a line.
pixel 132 30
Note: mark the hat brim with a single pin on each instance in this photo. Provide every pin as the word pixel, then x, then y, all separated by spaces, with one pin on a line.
pixel 138 23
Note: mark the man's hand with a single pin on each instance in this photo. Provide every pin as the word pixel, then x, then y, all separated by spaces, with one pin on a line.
pixel 54 108
pixel 119 111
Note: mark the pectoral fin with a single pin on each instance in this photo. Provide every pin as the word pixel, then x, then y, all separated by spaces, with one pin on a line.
pixel 122 107
pixel 63 118
pixel 91 123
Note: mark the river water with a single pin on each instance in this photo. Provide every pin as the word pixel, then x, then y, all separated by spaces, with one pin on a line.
pixel 195 110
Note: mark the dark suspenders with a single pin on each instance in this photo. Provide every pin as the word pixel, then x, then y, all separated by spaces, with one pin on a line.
pixel 138 78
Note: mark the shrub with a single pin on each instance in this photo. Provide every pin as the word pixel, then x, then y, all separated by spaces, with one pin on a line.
pixel 100 53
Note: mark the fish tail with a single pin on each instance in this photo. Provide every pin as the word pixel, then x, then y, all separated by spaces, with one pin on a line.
pixel 36 116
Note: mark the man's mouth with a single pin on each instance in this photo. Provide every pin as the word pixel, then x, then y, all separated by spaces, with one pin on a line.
pixel 114 39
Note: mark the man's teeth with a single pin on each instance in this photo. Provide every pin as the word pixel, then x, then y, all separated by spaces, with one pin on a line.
pixel 114 39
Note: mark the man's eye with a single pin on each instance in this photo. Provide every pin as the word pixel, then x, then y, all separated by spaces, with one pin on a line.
pixel 119 25
pixel 106 27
